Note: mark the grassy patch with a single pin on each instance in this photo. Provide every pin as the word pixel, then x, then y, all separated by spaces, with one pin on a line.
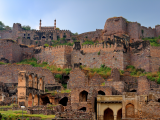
pixel 88 42
pixel 103 71
pixel 153 41
pixel 7 115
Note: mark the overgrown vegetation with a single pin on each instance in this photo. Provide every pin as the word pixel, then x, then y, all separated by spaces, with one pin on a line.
pixel 153 76
pixel 88 42
pixel 103 71
pixel 26 27
pixel 13 115
pixel 45 65
pixel 153 41
pixel 61 41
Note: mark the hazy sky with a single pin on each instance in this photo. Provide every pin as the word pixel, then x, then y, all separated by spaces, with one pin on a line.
pixel 78 15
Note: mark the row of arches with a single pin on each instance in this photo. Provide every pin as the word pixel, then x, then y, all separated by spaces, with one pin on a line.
pixel 43 100
pixel 108 113
pixel 35 82
pixel 83 95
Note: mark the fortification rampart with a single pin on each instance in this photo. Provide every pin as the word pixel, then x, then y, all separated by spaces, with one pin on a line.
pixel 147 32
pixel 9 73
pixel 58 55
pixel 157 27
pixel 13 52
pixel 100 47
pixel 155 56
pixel 115 25
pixel 133 30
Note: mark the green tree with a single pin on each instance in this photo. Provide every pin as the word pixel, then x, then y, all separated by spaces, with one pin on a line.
pixel 2 26
pixel 57 28
pixel 26 27
pixel 142 32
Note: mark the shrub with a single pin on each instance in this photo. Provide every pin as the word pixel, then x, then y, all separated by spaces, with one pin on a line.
pixel 46 90
pixel 158 81
pixel 46 45
pixel 2 63
pixel 99 53
pixel 59 76
pixel 103 83
pixel 64 85
pixel 130 66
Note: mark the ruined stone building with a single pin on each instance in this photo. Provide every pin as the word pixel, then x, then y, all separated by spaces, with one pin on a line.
pixel 30 87
pixel 117 97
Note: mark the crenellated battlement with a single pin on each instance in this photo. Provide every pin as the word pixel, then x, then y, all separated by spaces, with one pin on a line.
pixel 97 48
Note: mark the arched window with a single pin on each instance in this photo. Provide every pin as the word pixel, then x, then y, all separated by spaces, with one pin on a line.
pixel 30 100
pixel 30 81
pixel 129 110
pixel 83 96
pixel 101 92
pixel 108 114
pixel 63 101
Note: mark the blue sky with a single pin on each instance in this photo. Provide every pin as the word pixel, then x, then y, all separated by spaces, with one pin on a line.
pixel 78 15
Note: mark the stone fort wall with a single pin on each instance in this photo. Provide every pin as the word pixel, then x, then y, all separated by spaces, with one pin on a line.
pixel 12 51
pixel 59 55
pixel 9 73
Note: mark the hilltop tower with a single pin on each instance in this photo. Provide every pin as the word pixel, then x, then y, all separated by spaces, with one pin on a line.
pixel 40 25
pixel 55 24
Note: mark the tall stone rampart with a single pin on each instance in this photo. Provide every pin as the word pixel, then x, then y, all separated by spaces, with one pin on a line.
pixel 58 55
pixel 147 32
pixel 133 30
pixel 13 52
pixel 157 27
pixel 95 56
pixel 155 57
pixel 9 73
pixel 115 25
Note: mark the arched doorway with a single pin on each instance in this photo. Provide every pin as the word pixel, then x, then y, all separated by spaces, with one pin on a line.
pixel 30 100
pixel 129 110
pixel 101 92
pixel 30 81
pixel 83 109
pixel 35 100
pixel 119 114
pixel 63 101
pixel 83 96
pixel 35 82
pixel 45 100
pixel 108 114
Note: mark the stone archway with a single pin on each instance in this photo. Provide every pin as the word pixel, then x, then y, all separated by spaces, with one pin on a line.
pixel 100 92
pixel 129 110
pixel 119 114
pixel 108 114
pixel 45 100
pixel 63 101
pixel 30 98
pixel 35 100
pixel 83 96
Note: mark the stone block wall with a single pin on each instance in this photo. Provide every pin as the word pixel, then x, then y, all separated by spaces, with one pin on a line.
pixel 115 25
pixel 147 32
pixel 95 56
pixel 141 59
pixel 59 55
pixel 155 56
pixel 143 85
pixel 90 35
pixel 157 27
pixel 9 73
pixel 133 30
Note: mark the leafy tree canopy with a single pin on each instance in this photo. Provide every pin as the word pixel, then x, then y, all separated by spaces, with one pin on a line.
pixel 26 27
pixel 2 26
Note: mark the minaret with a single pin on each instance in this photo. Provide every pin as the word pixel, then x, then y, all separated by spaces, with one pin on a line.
pixel 40 25
pixel 54 24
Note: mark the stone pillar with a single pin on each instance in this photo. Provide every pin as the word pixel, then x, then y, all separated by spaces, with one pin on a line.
pixel 115 117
